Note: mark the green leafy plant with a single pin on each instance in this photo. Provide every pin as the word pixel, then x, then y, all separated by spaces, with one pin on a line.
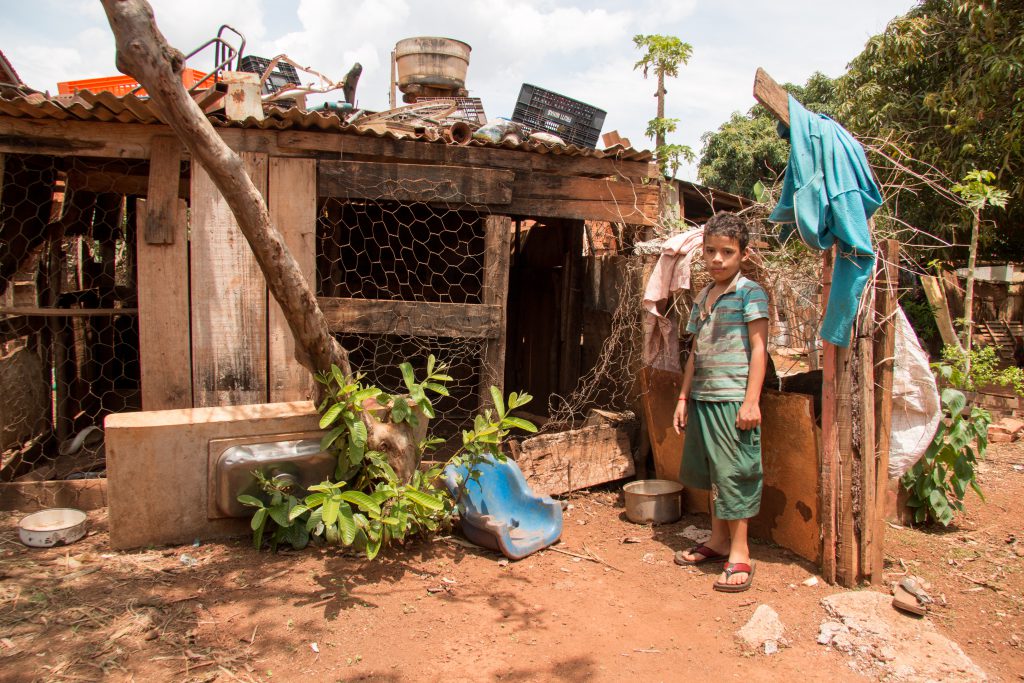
pixel 938 482
pixel 366 505
pixel 980 368
pixel 663 55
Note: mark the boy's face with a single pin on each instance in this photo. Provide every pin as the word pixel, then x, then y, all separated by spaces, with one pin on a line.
pixel 722 256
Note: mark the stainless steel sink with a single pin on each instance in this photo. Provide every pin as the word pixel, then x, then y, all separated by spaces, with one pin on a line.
pixel 295 461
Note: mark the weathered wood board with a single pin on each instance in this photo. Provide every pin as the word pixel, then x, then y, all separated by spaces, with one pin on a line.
pixel 229 298
pixel 414 182
pixel 790 513
pixel 164 345
pixel 567 461
pixel 31 496
pixel 162 192
pixel 659 391
pixel 292 200
pixel 936 296
pixel 420 318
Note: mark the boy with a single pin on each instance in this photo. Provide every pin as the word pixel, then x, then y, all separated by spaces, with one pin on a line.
pixel 719 401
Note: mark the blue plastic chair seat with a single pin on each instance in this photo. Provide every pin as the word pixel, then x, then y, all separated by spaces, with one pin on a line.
pixel 500 511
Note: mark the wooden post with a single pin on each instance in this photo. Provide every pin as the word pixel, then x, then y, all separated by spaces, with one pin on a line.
pixel 229 298
pixel 572 309
pixel 292 206
pixel 771 95
pixel 161 223
pixel 885 344
pixel 497 233
pixel 864 438
pixel 829 441
pixel 165 354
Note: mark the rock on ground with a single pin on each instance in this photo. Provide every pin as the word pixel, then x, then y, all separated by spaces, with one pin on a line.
pixel 864 624
pixel 763 632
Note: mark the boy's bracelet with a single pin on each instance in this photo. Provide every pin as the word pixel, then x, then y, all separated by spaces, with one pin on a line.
pixel 682 398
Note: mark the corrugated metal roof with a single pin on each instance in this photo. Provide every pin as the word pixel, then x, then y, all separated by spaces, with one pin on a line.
pixel 105 106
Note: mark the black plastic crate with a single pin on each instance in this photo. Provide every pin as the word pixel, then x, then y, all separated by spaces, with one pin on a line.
pixel 282 75
pixel 578 123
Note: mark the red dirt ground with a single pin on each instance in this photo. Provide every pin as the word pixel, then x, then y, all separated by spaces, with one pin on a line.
pixel 439 609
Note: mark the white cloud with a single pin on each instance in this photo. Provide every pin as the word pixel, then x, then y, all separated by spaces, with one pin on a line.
pixel 581 49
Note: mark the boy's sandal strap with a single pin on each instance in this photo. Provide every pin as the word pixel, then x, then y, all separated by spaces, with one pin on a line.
pixel 737 568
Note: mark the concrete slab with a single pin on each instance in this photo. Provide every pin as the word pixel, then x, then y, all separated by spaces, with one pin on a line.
pixel 157 468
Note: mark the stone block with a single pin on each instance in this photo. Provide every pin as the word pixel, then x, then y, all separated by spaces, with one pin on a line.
pixel 157 468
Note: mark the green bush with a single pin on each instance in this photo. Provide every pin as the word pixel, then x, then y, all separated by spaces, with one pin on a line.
pixel 365 505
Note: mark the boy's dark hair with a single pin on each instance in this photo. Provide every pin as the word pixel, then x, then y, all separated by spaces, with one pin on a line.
pixel 728 224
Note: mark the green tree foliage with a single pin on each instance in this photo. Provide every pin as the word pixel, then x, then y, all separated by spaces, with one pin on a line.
pixel 945 82
pixel 747 148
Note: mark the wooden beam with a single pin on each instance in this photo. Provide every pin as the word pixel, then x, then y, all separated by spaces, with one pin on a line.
pixel 885 345
pixel 547 195
pixel 163 288
pixel 229 298
pixel 162 191
pixel 412 318
pixel 293 212
pixel 133 141
pixel 413 151
pixel 497 248
pixel 936 296
pixel 413 182
pixel 49 312
pixel 829 441
pixel 771 95
pixel 31 496
pixel 864 440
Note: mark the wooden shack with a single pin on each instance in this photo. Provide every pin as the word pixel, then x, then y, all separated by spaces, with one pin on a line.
pixel 125 277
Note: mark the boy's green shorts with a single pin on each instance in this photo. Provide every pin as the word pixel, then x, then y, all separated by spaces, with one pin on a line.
pixel 720 457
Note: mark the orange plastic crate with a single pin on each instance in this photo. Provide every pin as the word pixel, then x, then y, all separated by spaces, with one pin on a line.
pixel 122 85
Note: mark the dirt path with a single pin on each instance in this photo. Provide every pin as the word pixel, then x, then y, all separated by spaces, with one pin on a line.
pixel 436 610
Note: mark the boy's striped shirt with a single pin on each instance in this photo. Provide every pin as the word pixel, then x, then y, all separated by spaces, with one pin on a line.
pixel 722 361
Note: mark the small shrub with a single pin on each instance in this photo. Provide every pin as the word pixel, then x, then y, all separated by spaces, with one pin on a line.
pixel 365 505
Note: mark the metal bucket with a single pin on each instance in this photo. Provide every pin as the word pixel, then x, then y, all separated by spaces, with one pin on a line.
pixel 653 501
pixel 432 62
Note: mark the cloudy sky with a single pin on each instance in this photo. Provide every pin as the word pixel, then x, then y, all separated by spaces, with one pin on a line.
pixel 580 49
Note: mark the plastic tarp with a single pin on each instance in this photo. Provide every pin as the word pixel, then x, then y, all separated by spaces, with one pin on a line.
pixel 916 409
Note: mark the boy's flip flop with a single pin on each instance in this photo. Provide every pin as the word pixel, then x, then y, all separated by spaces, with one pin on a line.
pixel 706 555
pixel 736 568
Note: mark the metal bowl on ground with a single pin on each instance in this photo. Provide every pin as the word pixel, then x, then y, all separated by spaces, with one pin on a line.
pixel 653 501
pixel 58 526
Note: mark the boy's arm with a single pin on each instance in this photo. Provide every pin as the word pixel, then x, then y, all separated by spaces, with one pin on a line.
pixel 750 412
pixel 679 417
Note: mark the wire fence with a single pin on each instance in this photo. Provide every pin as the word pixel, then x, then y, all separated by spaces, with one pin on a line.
pixel 428 254
pixel 68 324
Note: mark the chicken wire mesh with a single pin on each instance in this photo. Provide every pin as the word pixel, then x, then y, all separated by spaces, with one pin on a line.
pixel 428 253
pixel 68 319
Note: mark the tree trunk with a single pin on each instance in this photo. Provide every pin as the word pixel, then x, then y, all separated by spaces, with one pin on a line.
pixel 969 293
pixel 659 139
pixel 144 54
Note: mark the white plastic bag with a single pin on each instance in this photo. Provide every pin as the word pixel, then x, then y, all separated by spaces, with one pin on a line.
pixel 916 410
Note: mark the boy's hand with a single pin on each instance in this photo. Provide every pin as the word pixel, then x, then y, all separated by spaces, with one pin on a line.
pixel 749 416
pixel 679 418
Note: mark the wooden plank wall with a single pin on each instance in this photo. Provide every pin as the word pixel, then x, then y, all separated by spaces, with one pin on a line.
pixel 229 298
pixel 293 212
pixel 163 290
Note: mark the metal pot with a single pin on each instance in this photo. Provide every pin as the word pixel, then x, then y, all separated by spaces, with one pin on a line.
pixel 653 501
pixel 58 526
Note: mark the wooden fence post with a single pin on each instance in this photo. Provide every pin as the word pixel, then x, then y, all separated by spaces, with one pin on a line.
pixel 885 344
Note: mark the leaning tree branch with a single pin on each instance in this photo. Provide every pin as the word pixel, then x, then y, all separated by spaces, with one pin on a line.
pixel 145 55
